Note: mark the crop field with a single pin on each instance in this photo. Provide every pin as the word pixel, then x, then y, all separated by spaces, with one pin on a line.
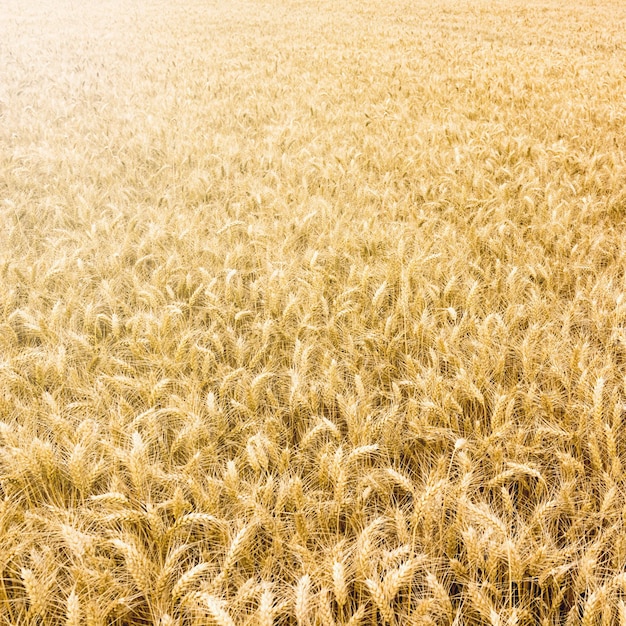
pixel 312 313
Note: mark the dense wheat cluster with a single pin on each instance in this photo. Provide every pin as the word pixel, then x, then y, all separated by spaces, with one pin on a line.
pixel 312 313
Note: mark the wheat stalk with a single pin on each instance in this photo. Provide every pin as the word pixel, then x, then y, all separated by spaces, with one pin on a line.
pixel 188 579
pixel 217 610
pixel 137 563
pixel 324 611
pixel 36 592
pixel 74 613
pixel 380 597
pixel 340 587
pixel 302 599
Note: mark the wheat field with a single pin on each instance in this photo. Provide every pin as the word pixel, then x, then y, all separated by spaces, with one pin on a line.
pixel 312 313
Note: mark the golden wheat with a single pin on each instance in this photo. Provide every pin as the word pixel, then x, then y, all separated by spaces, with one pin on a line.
pixel 312 313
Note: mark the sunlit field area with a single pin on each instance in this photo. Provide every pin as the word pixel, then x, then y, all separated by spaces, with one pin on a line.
pixel 312 313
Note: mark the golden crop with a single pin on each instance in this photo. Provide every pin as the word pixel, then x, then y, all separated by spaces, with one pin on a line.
pixel 312 313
